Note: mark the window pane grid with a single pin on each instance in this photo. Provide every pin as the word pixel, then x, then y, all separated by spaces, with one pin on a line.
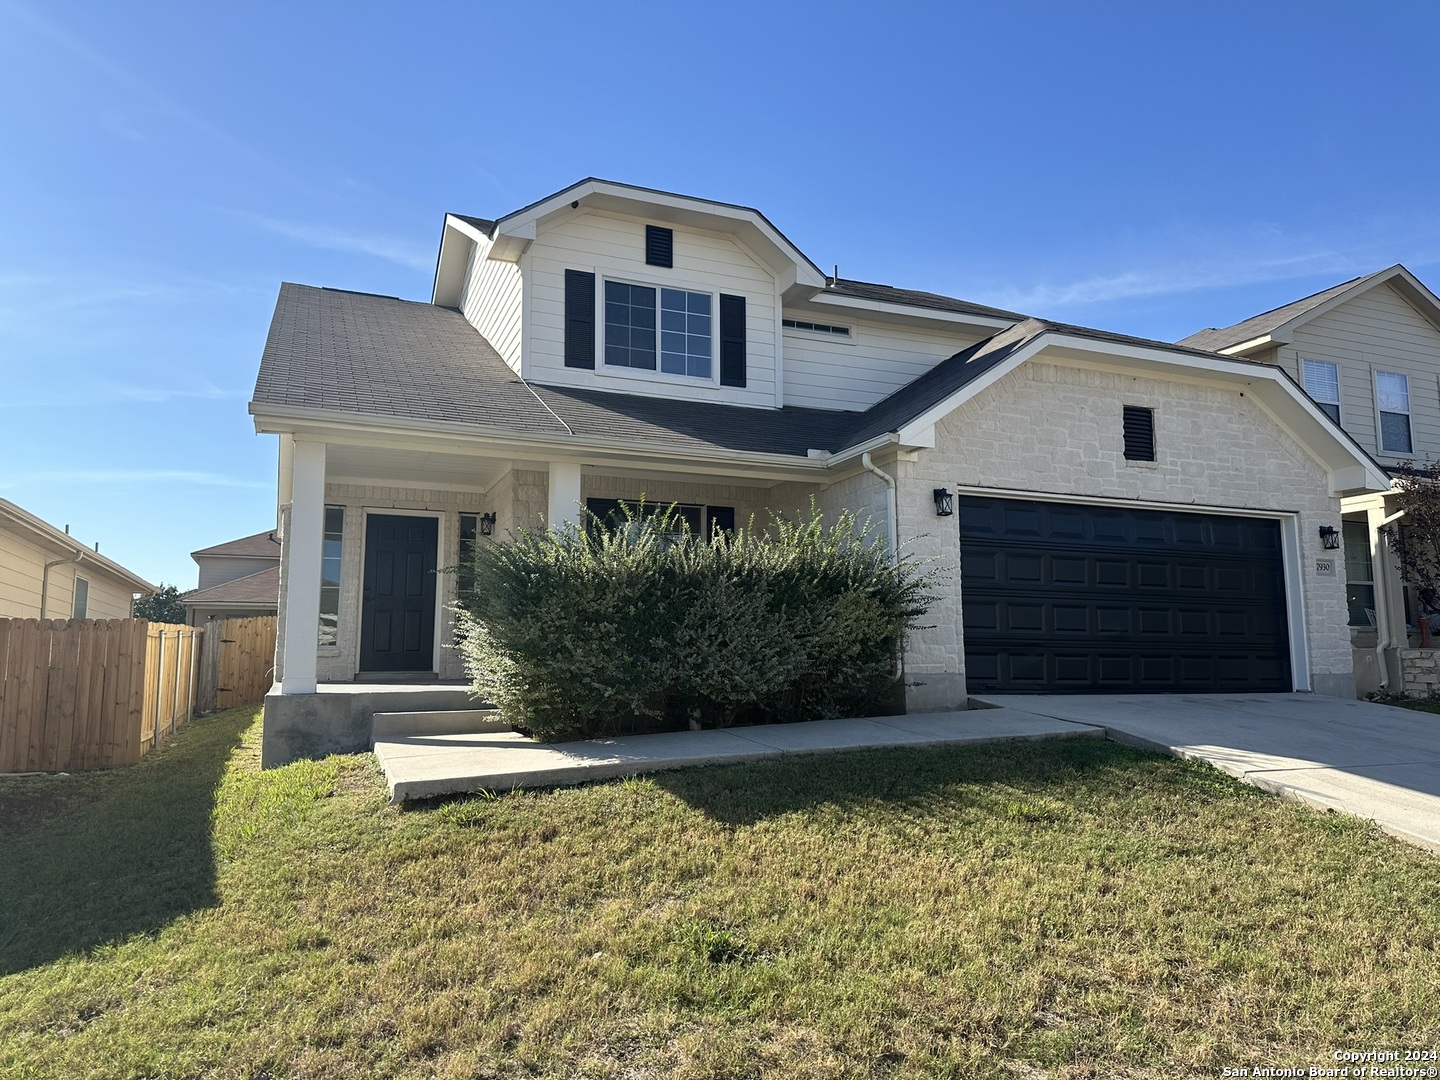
pixel 629 325
pixel 330 553
pixel 1392 395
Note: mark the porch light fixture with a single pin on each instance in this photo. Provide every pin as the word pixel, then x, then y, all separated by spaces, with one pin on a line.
pixel 487 524
pixel 944 503
pixel 1329 538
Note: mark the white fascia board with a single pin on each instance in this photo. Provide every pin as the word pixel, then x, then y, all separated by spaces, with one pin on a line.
pixel 851 453
pixel 908 313
pixel 456 240
pixel 403 433
pixel 1250 346
pixel 767 241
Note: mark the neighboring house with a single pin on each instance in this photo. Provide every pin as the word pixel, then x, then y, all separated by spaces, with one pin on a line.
pixel 1368 352
pixel 1129 515
pixel 47 574
pixel 238 580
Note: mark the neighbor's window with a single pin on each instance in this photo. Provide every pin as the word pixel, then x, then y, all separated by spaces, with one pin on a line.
pixel 1359 577
pixel 330 574
pixel 465 576
pixel 1322 383
pixel 685 329
pixel 82 598
pixel 1392 395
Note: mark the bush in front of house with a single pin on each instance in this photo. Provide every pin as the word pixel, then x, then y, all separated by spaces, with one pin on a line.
pixel 577 634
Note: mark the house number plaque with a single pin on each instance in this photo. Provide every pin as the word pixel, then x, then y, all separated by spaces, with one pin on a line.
pixel 1324 567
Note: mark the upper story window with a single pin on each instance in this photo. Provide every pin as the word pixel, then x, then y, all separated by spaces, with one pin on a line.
pixel 82 598
pixel 685 331
pixel 1322 383
pixel 1392 398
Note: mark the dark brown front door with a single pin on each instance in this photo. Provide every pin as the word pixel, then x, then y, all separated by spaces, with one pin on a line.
pixel 397 618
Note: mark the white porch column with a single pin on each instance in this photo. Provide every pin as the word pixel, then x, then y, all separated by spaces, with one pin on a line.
pixel 564 508
pixel 302 587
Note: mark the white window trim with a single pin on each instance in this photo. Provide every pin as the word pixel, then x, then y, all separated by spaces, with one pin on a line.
pixel 1408 413
pixel 74 591
pixel 1304 385
pixel 615 371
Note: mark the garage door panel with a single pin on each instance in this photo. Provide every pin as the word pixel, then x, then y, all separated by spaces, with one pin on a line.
pixel 1113 599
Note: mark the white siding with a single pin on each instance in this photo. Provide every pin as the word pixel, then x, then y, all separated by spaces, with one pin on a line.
pixel 825 372
pixel 1376 331
pixel 614 246
pixel 490 301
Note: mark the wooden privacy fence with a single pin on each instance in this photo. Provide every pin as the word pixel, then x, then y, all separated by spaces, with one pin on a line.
pixel 90 693
pixel 237 663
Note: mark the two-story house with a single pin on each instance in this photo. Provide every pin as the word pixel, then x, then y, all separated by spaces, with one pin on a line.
pixel 238 579
pixel 48 574
pixel 1367 351
pixel 1118 514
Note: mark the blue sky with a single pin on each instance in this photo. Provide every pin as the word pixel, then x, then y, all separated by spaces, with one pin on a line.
pixel 1143 167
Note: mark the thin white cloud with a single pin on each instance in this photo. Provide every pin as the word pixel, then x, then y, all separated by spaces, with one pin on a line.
pixel 183 477
pixel 331 239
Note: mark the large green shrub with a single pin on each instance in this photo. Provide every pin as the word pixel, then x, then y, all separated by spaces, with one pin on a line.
pixel 606 631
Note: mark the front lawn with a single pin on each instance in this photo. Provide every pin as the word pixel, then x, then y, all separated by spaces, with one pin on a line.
pixel 1065 909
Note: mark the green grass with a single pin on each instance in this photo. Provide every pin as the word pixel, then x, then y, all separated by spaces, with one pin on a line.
pixel 1061 909
pixel 1430 704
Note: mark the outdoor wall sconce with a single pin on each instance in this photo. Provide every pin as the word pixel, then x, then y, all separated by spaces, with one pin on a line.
pixel 1329 538
pixel 944 503
pixel 487 524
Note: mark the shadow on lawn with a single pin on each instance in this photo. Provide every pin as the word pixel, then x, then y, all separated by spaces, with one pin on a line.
pixel 130 851
pixel 901 777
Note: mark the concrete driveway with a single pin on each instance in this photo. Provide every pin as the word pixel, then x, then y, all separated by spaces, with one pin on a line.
pixel 1374 761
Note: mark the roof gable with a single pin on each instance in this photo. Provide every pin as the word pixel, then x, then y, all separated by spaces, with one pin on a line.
pixel 261 545
pixel 1278 326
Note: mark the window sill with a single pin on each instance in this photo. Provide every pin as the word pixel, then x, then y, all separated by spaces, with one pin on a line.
pixel 1141 464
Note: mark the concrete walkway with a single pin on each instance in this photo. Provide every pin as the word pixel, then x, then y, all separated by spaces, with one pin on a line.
pixel 423 766
pixel 1373 761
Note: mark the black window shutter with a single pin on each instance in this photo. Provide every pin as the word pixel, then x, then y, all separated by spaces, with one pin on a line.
pixel 732 340
pixel 722 519
pixel 579 319
pixel 659 246
pixel 1139 433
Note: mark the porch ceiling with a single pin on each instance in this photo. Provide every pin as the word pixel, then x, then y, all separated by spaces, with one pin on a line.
pixel 413 468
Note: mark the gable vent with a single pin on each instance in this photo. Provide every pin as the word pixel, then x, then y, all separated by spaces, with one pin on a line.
pixel 1139 433
pixel 659 246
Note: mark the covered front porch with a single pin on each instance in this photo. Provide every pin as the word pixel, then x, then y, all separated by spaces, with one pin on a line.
pixel 373 535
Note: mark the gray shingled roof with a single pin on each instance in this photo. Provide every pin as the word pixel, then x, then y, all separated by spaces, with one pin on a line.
pixel 351 352
pixel 261 588
pixel 1267 322
pixel 263 545
pixel 357 353
pixel 889 294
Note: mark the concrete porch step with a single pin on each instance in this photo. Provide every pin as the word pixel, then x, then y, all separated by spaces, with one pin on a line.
pixel 405 725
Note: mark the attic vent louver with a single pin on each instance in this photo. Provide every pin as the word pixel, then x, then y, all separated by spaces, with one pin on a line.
pixel 1139 424
pixel 659 246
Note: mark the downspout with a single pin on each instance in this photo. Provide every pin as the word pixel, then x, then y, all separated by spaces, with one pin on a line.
pixel 45 577
pixel 1382 598
pixel 892 526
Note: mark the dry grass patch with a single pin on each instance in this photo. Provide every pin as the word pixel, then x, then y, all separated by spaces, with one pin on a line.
pixel 1058 909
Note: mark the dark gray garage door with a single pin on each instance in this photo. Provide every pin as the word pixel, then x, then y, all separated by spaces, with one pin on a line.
pixel 1063 598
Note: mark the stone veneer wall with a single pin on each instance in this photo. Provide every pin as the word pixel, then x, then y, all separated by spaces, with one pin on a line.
pixel 1051 428
pixel 1419 674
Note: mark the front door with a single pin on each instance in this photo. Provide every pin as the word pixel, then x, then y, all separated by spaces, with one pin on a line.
pixel 397 618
